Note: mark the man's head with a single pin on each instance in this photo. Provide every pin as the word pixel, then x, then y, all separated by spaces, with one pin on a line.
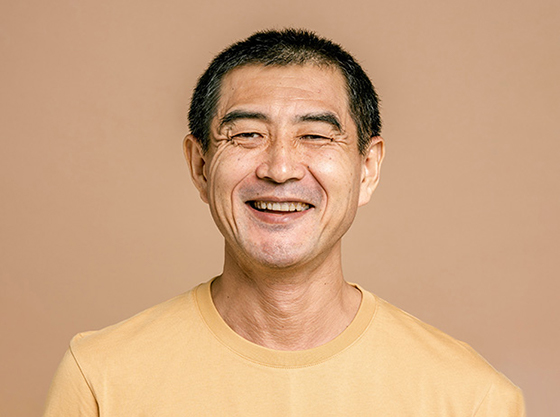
pixel 283 48
pixel 283 164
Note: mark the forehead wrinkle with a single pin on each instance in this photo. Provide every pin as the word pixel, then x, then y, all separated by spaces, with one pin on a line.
pixel 254 85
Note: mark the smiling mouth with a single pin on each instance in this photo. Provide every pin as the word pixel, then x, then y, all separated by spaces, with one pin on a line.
pixel 282 207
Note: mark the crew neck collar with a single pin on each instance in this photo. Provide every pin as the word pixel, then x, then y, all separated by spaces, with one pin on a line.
pixel 281 358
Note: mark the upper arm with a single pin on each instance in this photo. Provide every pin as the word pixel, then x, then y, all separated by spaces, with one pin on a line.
pixel 70 394
pixel 503 399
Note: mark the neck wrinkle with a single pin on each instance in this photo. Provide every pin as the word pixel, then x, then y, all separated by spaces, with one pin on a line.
pixel 282 310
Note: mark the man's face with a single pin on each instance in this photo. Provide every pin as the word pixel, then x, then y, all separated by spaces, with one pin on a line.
pixel 283 175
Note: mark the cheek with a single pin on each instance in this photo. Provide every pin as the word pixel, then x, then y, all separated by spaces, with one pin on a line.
pixel 227 171
pixel 338 175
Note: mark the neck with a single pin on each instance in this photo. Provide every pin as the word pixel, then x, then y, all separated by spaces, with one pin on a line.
pixel 283 309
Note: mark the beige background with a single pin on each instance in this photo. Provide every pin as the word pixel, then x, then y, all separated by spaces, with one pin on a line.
pixel 99 220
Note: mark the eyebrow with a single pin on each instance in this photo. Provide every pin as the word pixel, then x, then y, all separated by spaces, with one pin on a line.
pixel 234 115
pixel 326 117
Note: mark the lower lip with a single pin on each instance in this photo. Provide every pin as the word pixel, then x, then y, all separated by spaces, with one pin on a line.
pixel 277 217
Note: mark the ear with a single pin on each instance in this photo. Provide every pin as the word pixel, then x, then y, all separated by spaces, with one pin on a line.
pixel 371 166
pixel 197 164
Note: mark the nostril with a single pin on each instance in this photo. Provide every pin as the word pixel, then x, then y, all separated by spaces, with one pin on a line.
pixel 280 171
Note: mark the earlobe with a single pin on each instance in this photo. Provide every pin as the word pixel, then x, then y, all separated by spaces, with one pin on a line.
pixel 196 160
pixel 371 168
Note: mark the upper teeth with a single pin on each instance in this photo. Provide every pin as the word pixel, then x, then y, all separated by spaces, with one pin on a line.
pixel 264 205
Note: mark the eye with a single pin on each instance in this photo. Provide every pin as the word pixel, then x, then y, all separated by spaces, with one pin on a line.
pixel 247 139
pixel 315 137
pixel 247 135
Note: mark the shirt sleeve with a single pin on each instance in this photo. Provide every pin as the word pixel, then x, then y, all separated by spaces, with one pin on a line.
pixel 70 394
pixel 503 399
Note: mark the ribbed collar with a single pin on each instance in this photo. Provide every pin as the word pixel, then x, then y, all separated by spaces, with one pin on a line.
pixel 281 358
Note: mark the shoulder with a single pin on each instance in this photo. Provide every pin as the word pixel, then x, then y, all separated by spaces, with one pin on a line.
pixel 408 333
pixel 148 330
pixel 423 353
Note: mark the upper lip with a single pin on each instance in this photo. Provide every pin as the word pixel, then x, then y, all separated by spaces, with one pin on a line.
pixel 276 199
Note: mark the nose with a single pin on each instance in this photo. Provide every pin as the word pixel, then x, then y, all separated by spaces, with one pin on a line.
pixel 282 163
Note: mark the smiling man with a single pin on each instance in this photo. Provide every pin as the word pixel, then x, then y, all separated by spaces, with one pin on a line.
pixel 284 176
pixel 284 148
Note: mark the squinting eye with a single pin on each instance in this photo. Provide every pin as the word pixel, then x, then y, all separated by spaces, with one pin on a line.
pixel 315 137
pixel 247 135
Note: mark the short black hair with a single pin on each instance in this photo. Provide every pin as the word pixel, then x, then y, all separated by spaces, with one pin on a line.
pixel 282 48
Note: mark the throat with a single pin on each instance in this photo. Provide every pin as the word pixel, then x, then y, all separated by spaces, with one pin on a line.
pixel 288 319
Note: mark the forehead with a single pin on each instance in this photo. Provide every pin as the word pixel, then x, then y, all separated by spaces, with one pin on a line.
pixel 284 89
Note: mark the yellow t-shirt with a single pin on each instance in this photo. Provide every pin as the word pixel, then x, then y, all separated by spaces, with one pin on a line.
pixel 180 358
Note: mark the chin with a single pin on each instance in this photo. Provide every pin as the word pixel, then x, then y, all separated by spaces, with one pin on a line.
pixel 278 257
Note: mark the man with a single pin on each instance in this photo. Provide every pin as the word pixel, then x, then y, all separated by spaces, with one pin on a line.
pixel 284 148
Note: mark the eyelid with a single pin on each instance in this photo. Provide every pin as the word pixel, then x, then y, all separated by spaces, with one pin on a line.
pixel 246 134
pixel 316 136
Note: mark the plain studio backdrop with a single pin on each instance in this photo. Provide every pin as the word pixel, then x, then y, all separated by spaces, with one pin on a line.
pixel 99 219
